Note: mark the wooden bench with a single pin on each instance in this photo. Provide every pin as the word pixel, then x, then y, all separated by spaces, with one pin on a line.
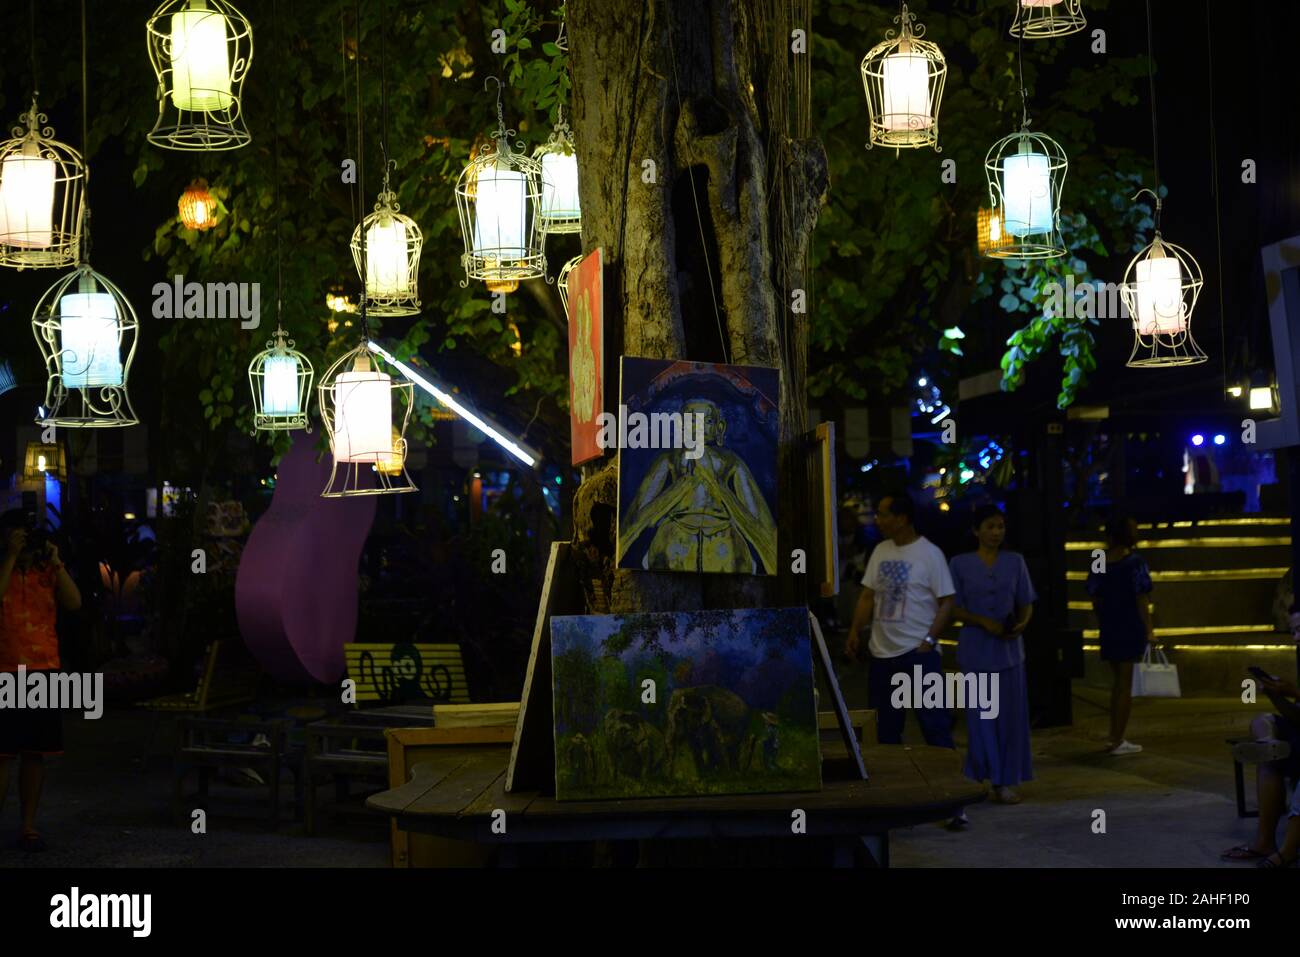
pixel 207 744
pixel 336 750
pixel 225 682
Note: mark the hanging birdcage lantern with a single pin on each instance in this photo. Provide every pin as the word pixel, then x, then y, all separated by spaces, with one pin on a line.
pixel 499 196
pixel 903 77
pixel 1041 19
pixel 45 459
pixel 989 233
pixel 1026 173
pixel 392 272
pixel 201 51
pixel 366 411
pixel 197 207
pixel 42 186
pixel 1160 290
pixel 87 333
pixel 280 377
pixel 561 210
pixel 563 281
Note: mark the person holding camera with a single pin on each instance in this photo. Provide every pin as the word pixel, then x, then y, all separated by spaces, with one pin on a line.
pixel 33 585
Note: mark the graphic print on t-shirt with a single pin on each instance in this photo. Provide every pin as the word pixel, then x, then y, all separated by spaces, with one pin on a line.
pixel 893 602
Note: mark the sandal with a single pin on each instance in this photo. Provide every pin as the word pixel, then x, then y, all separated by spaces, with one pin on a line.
pixel 31 842
pixel 1242 852
pixel 1275 861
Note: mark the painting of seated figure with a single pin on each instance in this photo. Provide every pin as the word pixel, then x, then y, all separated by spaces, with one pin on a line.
pixel 697 467
pixel 684 703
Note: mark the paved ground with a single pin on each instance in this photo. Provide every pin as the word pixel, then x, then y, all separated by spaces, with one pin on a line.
pixel 1170 806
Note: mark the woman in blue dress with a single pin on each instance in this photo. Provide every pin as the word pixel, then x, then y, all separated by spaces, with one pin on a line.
pixel 1121 598
pixel 995 600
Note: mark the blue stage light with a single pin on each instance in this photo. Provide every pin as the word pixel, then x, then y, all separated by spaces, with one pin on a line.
pixel 1198 440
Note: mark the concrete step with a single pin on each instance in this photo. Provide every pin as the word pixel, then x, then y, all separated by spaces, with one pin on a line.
pixel 1227 552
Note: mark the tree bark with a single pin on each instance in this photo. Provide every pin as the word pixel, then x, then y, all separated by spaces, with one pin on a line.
pixel 704 203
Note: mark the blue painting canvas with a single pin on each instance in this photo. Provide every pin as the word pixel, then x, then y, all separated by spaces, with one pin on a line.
pixel 701 498
pixel 684 703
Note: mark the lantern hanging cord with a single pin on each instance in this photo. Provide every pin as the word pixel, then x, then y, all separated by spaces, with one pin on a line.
pixel 361 176
pixel 1151 78
pixel 31 30
pixel 1214 182
pixel 1024 93
pixel 83 253
pixel 279 268
pixel 501 132
pixel 347 132
pixel 383 84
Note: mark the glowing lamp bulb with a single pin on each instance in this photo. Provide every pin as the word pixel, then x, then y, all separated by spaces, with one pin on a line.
pixel 1027 190
pixel 90 340
pixel 500 209
pixel 907 92
pixel 200 61
pixel 280 385
pixel 387 270
pixel 27 199
pixel 1198 440
pixel 363 416
pixel 1160 295
pixel 559 187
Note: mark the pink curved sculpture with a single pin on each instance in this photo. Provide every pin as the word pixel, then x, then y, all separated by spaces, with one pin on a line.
pixel 296 588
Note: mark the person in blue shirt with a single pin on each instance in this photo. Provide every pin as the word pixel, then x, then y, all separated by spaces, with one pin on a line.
pixel 1121 598
pixel 995 601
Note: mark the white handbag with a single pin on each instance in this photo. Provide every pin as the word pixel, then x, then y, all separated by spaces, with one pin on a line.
pixel 1155 679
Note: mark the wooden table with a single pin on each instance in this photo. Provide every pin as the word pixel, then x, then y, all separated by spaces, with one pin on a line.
pixel 455 793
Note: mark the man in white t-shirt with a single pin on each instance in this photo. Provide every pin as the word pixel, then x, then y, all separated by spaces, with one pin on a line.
pixel 908 587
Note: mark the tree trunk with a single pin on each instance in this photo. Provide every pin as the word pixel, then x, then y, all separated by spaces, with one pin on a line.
pixel 703 192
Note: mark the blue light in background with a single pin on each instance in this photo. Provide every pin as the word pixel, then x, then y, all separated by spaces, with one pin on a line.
pixel 1198 440
pixel 1220 438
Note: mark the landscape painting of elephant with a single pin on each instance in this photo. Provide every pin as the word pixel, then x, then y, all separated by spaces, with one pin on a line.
pixel 580 760
pixel 710 724
pixel 634 747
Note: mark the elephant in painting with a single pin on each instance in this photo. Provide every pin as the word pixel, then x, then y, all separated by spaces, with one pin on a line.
pixel 580 760
pixel 634 746
pixel 711 724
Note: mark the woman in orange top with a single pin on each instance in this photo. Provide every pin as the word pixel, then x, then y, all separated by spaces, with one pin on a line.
pixel 33 585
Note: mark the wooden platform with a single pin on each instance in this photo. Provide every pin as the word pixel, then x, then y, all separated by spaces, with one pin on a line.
pixel 454 793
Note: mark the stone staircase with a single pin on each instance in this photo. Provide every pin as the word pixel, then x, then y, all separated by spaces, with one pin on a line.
pixel 1215 583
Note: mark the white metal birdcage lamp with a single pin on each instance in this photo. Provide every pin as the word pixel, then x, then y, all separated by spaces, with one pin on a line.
pixel 87 332
pixel 563 281
pixel 392 270
pixel 42 192
pixel 903 77
pixel 280 377
pixel 1161 287
pixel 1042 19
pixel 561 209
pixel 499 196
pixel 201 51
pixel 1026 173
pixel 366 411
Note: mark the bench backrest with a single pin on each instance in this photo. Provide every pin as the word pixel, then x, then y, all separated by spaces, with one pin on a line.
pixel 402 672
